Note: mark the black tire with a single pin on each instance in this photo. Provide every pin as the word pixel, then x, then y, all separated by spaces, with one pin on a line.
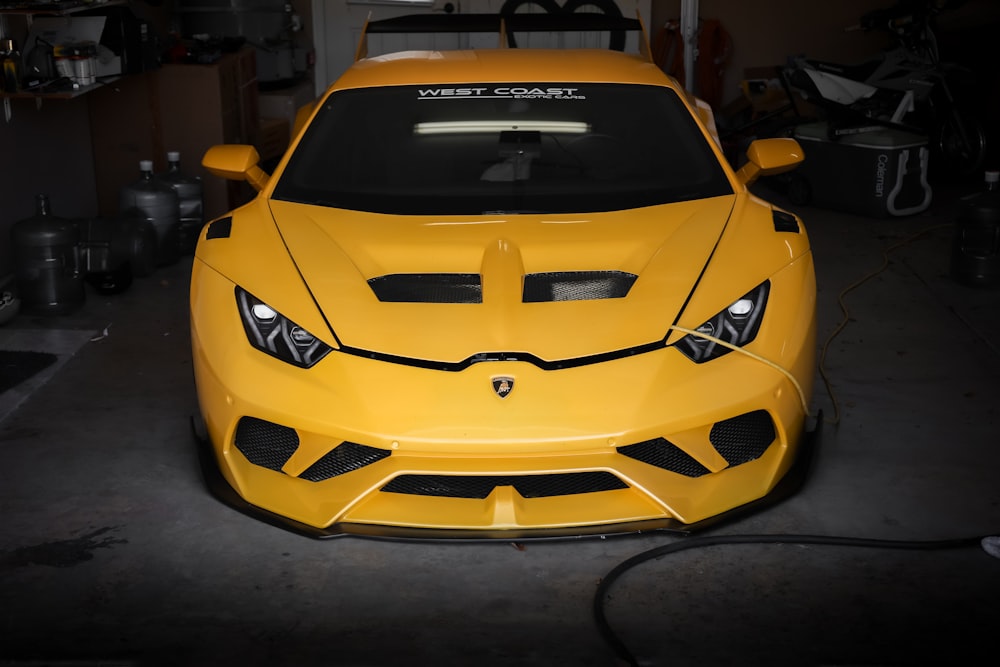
pixel 959 145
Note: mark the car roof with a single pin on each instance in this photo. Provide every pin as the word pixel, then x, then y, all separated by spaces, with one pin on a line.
pixel 588 65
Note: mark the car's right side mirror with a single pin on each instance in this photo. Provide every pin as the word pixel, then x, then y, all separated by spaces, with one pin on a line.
pixel 767 157
pixel 236 162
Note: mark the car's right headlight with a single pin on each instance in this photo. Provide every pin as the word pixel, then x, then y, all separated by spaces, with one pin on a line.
pixel 737 325
pixel 271 332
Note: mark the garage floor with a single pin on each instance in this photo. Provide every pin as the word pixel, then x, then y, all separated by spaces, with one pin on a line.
pixel 113 553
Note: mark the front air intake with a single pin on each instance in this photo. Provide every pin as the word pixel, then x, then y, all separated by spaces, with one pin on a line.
pixel 664 454
pixel 265 444
pixel 481 486
pixel 342 459
pixel 743 438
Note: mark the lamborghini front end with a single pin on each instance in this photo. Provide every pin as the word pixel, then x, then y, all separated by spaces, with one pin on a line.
pixel 505 328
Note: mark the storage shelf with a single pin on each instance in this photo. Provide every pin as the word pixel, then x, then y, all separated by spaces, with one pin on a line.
pixel 59 93
pixel 30 10
pixel 54 8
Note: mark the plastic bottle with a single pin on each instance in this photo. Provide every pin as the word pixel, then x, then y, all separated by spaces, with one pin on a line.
pixel 157 203
pixel 975 256
pixel 189 191
pixel 10 64
pixel 46 262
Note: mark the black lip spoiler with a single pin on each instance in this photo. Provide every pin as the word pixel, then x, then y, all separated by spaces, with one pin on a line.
pixel 788 486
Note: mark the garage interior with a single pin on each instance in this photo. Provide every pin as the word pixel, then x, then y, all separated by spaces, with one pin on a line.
pixel 113 552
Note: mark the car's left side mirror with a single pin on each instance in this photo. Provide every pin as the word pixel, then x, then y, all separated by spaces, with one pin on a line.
pixel 767 157
pixel 236 162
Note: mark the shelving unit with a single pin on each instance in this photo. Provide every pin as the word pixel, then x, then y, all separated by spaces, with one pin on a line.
pixel 55 8
pixel 25 13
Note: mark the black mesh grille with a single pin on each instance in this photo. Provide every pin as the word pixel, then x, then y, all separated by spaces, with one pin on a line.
pixel 345 457
pixel 665 454
pixel 784 222
pixel 428 288
pixel 529 486
pixel 220 229
pixel 576 285
pixel 265 444
pixel 743 438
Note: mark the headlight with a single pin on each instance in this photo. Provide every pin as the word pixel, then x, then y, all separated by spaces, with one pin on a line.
pixel 737 325
pixel 271 332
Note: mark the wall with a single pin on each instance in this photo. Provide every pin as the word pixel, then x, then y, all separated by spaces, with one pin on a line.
pixel 46 147
pixel 44 150
pixel 766 32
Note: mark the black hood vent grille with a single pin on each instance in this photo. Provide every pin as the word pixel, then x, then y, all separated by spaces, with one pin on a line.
pixel 468 288
pixel 576 286
pixel 428 288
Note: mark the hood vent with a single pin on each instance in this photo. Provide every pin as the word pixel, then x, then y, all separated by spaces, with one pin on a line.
pixel 576 286
pixel 467 287
pixel 784 222
pixel 428 288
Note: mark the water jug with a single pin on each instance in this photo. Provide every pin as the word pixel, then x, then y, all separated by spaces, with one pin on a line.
pixel 158 204
pixel 189 191
pixel 46 262
pixel 975 252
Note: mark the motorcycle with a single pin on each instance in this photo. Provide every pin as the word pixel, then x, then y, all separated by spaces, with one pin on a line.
pixel 907 87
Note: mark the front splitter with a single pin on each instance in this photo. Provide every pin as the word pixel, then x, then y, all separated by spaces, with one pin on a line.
pixel 788 486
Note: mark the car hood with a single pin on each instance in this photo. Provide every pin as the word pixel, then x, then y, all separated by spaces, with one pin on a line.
pixel 406 285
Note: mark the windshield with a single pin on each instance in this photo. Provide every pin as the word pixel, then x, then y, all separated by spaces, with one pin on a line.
pixel 502 148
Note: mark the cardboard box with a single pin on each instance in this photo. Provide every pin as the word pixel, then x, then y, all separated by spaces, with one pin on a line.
pixel 272 138
pixel 200 106
pixel 285 102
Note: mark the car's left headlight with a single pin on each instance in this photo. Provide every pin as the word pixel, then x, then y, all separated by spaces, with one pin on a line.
pixel 271 332
pixel 737 325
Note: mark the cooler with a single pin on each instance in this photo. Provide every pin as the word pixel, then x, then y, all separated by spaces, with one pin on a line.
pixel 876 173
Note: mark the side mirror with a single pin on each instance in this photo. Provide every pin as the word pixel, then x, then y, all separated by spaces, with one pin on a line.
pixel 767 157
pixel 237 162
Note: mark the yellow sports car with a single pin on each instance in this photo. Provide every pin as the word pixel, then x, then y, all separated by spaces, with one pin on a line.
pixel 503 293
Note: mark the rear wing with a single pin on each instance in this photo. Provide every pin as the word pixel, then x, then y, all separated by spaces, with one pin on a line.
pixel 507 24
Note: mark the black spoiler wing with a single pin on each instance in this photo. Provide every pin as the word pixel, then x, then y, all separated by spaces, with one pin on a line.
pixel 506 24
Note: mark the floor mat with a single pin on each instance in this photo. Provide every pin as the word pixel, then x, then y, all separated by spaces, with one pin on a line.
pixel 18 366
pixel 30 357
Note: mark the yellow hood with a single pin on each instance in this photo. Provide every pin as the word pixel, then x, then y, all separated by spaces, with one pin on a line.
pixel 338 252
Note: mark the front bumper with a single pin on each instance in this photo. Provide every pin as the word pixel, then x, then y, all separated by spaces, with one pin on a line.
pixel 369 447
pixel 788 486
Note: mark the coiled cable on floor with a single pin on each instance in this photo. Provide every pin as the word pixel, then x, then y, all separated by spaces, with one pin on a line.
pixel 846 313
pixel 991 544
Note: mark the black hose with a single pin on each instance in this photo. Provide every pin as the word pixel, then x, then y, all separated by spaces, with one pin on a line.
pixel 623 652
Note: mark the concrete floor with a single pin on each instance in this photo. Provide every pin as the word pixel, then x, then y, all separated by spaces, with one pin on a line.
pixel 112 552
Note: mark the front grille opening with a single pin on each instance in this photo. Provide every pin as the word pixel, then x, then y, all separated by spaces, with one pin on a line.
pixel 529 486
pixel 428 288
pixel 342 459
pixel 265 444
pixel 576 286
pixel 664 454
pixel 743 438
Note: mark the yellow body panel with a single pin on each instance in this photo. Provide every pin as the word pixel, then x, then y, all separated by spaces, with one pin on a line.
pixel 589 377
